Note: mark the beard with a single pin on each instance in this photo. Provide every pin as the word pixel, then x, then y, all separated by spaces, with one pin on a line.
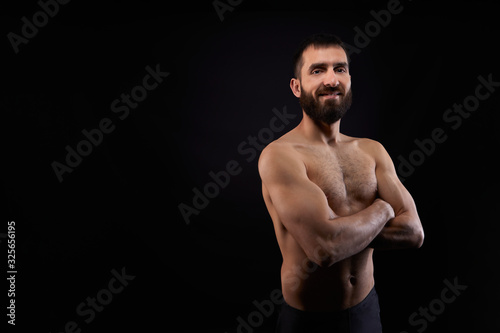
pixel 330 110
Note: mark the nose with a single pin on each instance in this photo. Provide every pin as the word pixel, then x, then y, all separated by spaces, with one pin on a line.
pixel 331 79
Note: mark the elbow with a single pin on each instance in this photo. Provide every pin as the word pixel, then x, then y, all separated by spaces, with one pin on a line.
pixel 325 261
pixel 418 233
pixel 415 235
pixel 325 254
pixel 419 238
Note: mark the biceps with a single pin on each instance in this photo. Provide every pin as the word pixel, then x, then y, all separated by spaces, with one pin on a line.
pixel 303 210
pixel 393 191
pixel 300 203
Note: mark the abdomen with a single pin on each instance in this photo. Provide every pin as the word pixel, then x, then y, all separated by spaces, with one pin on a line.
pixel 307 286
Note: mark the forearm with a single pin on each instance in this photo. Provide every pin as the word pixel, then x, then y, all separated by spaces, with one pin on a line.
pixel 351 234
pixel 404 231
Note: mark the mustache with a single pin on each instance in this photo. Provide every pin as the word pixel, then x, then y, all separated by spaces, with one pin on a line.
pixel 329 90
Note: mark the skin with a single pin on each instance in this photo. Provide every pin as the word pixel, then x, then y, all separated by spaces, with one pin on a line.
pixel 332 199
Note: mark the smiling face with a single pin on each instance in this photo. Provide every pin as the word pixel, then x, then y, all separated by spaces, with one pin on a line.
pixel 324 86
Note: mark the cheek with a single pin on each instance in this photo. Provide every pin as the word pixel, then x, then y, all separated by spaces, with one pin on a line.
pixel 347 85
pixel 312 83
pixel 307 89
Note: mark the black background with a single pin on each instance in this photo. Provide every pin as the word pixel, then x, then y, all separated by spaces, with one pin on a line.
pixel 119 207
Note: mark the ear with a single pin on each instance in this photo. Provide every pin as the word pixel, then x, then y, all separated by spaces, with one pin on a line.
pixel 295 86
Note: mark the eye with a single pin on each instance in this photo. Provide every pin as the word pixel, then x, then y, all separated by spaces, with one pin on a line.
pixel 316 71
pixel 341 69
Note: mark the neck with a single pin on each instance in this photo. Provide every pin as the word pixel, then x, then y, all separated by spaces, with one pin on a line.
pixel 320 131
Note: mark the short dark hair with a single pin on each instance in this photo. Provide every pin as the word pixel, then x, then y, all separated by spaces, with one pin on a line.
pixel 317 40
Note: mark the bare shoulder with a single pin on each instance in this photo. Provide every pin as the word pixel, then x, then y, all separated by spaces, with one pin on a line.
pixel 371 147
pixel 280 156
pixel 276 153
pixel 376 150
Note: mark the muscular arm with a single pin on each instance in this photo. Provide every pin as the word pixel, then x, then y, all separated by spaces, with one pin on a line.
pixel 405 229
pixel 303 210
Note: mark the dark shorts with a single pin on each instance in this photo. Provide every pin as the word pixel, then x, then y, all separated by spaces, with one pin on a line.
pixel 361 318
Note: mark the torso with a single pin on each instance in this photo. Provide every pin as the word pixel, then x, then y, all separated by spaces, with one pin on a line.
pixel 345 171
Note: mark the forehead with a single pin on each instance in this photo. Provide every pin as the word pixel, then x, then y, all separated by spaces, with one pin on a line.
pixel 328 55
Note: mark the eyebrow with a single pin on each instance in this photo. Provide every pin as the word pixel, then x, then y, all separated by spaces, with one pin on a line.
pixel 325 65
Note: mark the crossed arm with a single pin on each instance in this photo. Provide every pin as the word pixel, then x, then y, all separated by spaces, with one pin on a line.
pixel 325 237
pixel 405 229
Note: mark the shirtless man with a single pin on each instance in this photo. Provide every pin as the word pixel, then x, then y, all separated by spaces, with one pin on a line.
pixel 333 199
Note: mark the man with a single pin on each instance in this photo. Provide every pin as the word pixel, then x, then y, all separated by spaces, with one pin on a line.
pixel 332 199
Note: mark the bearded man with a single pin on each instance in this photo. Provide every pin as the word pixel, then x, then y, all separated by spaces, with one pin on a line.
pixel 333 199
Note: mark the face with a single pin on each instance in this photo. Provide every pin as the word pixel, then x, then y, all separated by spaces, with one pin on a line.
pixel 324 88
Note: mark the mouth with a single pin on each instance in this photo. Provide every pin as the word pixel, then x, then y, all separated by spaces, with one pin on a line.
pixel 331 95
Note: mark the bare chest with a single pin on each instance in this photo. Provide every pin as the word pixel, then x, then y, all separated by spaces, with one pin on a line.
pixel 347 177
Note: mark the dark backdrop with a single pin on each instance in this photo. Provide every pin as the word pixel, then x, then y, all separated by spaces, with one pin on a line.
pixel 119 208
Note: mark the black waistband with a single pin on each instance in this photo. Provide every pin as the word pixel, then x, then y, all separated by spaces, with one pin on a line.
pixel 340 313
pixel 363 317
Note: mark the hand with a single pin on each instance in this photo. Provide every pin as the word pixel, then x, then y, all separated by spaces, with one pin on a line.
pixel 387 207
